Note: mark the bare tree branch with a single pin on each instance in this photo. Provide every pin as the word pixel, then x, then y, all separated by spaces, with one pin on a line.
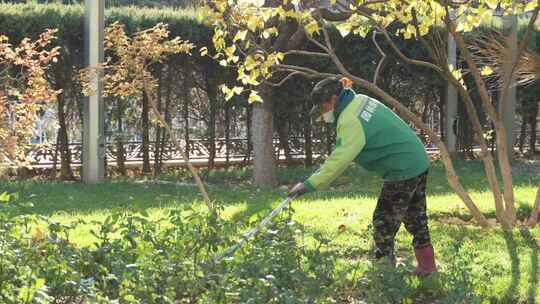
pixel 508 215
pixel 525 39
pixel 383 57
pixel 408 60
pixel 482 90
pixel 317 43
pixel 282 81
pixel 509 72
pixel 307 72
pixel 306 53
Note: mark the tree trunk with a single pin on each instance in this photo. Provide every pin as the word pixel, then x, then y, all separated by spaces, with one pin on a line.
pixel 145 137
pixel 158 143
pixel 227 134
pixel 249 119
pixel 284 141
pixel 486 155
pixel 506 172
pixel 185 112
pixel 442 111
pixel 63 142
pixel 536 210
pixel 509 214
pixel 533 122
pixel 105 158
pixel 55 158
pixel 80 105
pixel 262 138
pixel 425 119
pixel 167 114
pixel 308 145
pixel 523 131
pixel 120 151
pixel 159 129
pixel 212 99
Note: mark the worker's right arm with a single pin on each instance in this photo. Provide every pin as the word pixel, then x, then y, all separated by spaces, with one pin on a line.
pixel 350 141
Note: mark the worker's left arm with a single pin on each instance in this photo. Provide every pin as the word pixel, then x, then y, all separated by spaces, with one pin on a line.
pixel 350 141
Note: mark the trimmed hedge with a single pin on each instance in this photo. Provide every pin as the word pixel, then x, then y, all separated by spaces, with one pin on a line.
pixel 407 83
pixel 28 20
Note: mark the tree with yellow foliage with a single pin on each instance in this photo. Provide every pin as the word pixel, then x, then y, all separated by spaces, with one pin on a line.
pixel 244 28
pixel 127 72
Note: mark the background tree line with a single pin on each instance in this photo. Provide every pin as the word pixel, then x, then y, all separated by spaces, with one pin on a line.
pixel 114 3
pixel 191 99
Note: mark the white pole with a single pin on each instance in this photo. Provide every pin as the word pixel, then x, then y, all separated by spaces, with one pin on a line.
pixel 451 99
pixel 93 116
pixel 510 27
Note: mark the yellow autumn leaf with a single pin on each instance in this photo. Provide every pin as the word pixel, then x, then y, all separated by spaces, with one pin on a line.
pixel 240 73
pixel 238 90
pixel 204 51
pixel 240 35
pixel 254 23
pixel 267 33
pixel 409 31
pixel 229 93
pixel 221 6
pixel 250 63
pixel 252 78
pixel 344 29
pixel 486 71
pixel 492 4
pixel 225 89
pixel 531 5
pixel 229 52
pixel 312 27
pixel 254 97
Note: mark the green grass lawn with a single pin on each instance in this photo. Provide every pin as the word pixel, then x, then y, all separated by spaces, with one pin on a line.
pixel 500 267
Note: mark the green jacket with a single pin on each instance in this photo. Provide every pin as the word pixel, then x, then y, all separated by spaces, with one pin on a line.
pixel 373 136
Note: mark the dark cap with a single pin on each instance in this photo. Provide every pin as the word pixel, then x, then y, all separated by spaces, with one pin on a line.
pixel 322 92
pixel 325 89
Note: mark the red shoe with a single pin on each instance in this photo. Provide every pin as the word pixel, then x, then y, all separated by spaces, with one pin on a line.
pixel 425 257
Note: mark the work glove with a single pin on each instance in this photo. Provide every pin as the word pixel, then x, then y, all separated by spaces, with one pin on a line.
pixel 298 190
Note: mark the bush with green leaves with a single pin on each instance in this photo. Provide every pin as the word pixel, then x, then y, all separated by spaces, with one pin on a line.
pixel 135 259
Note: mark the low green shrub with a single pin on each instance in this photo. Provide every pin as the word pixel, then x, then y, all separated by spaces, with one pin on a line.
pixel 136 259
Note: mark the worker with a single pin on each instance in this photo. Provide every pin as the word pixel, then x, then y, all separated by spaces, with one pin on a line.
pixel 373 136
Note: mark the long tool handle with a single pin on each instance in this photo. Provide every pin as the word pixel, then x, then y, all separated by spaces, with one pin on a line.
pixel 250 234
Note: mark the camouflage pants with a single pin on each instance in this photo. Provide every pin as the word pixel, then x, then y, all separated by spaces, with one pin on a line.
pixel 402 201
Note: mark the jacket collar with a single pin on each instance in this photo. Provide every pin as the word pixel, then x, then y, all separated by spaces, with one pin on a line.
pixel 344 99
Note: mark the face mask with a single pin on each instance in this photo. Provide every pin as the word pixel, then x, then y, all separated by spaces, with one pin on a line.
pixel 329 117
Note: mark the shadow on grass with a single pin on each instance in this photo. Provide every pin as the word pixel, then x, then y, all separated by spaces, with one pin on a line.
pixel 531 242
pixel 523 212
pixel 511 244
